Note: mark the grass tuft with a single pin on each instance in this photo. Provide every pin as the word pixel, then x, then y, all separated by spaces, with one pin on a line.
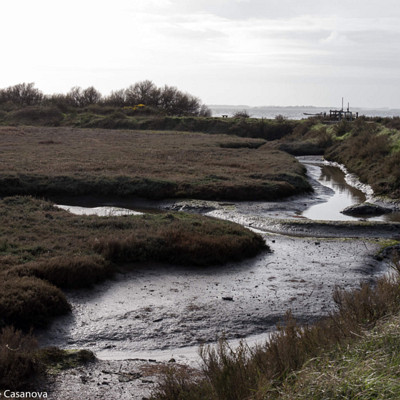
pixel 19 364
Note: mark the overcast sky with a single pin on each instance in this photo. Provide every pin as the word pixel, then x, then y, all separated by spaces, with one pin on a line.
pixel 250 52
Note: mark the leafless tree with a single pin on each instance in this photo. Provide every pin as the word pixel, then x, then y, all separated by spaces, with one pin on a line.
pixel 23 94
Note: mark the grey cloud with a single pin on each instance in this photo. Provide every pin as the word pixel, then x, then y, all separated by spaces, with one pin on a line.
pixel 294 35
pixel 375 38
pixel 275 9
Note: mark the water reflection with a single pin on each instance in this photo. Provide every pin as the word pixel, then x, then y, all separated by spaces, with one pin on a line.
pixel 344 195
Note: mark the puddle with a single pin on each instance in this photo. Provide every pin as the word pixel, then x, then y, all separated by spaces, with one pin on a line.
pixel 103 211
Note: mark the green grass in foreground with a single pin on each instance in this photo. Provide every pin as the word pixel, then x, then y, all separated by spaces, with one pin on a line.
pixel 369 369
pixel 43 249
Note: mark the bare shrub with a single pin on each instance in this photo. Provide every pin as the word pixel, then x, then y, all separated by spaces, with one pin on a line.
pixel 241 114
pixel 117 98
pixel 23 94
pixel 79 97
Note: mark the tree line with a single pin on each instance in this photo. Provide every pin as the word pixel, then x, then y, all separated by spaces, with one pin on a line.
pixel 167 99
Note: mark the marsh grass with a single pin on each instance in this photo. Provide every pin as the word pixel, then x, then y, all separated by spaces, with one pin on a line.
pixel 372 156
pixel 371 151
pixel 23 364
pixel 369 369
pixel 44 248
pixel 44 161
pixel 19 364
pixel 326 360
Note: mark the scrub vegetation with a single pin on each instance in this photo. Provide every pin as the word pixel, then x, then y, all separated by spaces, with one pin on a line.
pixel 372 151
pixel 140 98
pixel 140 106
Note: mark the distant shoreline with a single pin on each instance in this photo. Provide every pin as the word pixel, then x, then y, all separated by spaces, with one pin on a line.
pixel 295 112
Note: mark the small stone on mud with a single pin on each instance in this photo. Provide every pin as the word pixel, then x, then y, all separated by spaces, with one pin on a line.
pixel 227 298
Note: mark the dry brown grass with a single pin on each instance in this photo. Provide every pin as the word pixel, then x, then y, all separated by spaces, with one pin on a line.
pixel 18 359
pixel 149 164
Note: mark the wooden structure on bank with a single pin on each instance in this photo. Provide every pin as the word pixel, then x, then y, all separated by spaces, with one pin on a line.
pixel 338 115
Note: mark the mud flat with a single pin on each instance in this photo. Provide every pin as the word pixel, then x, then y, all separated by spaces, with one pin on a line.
pixel 164 312
pixel 168 307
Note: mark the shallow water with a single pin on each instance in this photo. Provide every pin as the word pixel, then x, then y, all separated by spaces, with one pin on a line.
pixel 103 211
pixel 346 190
pixel 344 196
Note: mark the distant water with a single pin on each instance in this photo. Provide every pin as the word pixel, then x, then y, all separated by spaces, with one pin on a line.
pixel 295 112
